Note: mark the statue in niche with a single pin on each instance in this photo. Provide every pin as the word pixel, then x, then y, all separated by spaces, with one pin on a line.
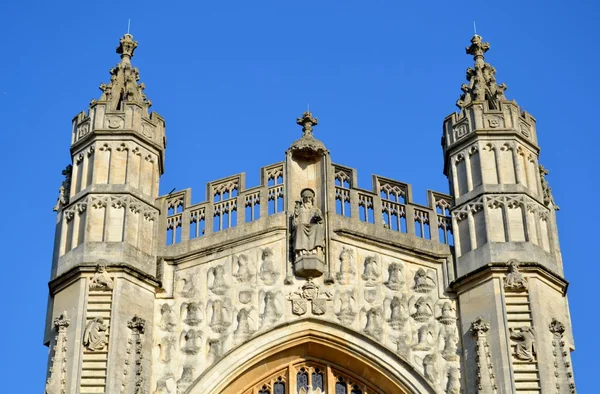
pixel 216 280
pixel 346 271
pixel 165 348
pixel 422 310
pixel 168 319
pixel 219 320
pixel 268 274
pixel 65 189
pixel 424 338
pixel 215 350
pixel 399 315
pixel 243 330
pixel 343 305
pixel 450 345
pixel 395 276
pixel 242 274
pixel 94 335
pixel 308 236
pixel 430 368
pixel 371 272
pixel 271 312
pixel 424 280
pixel 189 341
pixel 453 385
pixel 188 289
pixel 546 189
pixel 374 325
pixel 526 342
pixel 101 280
pixel 446 314
pixel 191 313
pixel 187 377
pixel 514 279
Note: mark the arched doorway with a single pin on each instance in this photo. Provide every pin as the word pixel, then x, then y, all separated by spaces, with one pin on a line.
pixel 308 356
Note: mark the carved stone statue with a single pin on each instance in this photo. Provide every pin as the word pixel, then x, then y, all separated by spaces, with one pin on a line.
pixel 453 385
pixel 270 313
pixel 191 313
pixel 189 341
pixel 424 338
pixel 424 281
pixel 101 280
pixel 215 350
pixel 430 368
pixel 243 330
pixel 526 342
pixel 65 189
pixel 268 273
pixel 166 349
pixel 450 345
pixel 371 271
pixel 308 236
pixel 345 311
pixel 346 271
pixel 422 310
pixel 168 319
pixel 187 377
pixel 546 189
pixel 216 280
pixel 374 326
pixel 219 321
pixel 398 312
pixel 395 276
pixel 447 314
pixel 514 279
pixel 94 336
pixel 242 270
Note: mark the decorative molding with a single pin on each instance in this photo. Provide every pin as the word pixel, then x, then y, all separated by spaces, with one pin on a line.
pixel 137 327
pixel 57 376
pixel 562 366
pixel 486 378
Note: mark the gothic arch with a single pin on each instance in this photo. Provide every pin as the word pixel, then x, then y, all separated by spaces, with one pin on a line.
pixel 312 340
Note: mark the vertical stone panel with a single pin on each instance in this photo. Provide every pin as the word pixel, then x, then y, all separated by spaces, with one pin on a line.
pixel 507 165
pixel 464 236
pixel 488 165
pixel 516 227
pixel 116 216
pixel 480 230
pixel 496 223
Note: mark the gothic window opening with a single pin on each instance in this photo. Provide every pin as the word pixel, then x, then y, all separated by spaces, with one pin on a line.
pixel 342 193
pixel 252 206
pixel 197 223
pixel 365 208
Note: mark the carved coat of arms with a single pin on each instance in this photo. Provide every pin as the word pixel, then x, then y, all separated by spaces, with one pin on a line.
pixel 309 293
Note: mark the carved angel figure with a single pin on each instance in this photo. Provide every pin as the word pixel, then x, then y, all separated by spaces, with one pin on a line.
pixel 94 336
pixel 216 280
pixel 241 265
pixel 424 338
pixel 514 279
pixel 395 276
pixel 398 312
pixel 430 368
pixel 189 342
pixel 424 281
pixel 270 312
pixel 346 267
pixel 453 385
pixel 374 326
pixel 447 314
pixel 268 273
pixel 243 329
pixel 168 319
pixel 525 347
pixel 309 232
pixel 422 310
pixel 219 320
pixel 371 272
pixel 191 313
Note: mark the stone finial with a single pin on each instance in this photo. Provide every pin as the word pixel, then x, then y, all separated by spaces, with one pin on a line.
pixel 482 84
pixel 62 322
pixel 126 47
pixel 556 327
pixel 546 189
pixel 137 324
pixel 479 327
pixel 307 121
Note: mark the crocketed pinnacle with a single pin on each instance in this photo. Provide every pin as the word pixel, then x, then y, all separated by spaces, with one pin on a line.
pixel 482 84
pixel 308 146
pixel 123 86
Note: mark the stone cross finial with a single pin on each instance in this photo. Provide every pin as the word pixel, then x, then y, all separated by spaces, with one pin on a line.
pixel 126 47
pixel 477 47
pixel 307 121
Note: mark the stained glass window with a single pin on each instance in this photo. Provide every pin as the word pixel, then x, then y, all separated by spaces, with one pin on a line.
pixel 317 380
pixel 302 380
pixel 340 387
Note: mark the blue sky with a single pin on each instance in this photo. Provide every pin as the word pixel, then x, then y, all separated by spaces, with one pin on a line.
pixel 231 77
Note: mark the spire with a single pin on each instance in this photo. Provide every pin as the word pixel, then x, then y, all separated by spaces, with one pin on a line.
pixel 123 86
pixel 482 84
pixel 308 146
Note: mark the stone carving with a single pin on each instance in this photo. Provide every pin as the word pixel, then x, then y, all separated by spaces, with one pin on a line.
pixel 65 189
pixel 307 147
pixel 547 190
pixel 449 336
pixel 56 383
pixel 162 386
pixel 461 131
pixel 424 338
pixel 188 290
pixel 398 307
pixel 402 342
pixel 453 385
pixel 526 342
pixel 422 310
pixel 241 269
pixel 101 280
pixel 94 335
pixel 524 129
pixel 446 315
pixel 243 330
pixel 137 325
pixel 271 310
pixel 187 377
pixel 189 341
pixel 371 271
pixel 562 366
pixel 191 313
pixel 115 122
pixel 215 350
pixel 486 378
pixel 219 315
pixel 308 236
pixel 216 280
pixel 424 280
pixel 165 348
pixel 374 324
pixel 168 318
pixel 245 296
pixel 309 292
pixel 346 271
pixel 371 294
pixel 514 279
pixel 344 306
pixel 495 122
pixel 395 276
pixel 268 274
pixel 430 368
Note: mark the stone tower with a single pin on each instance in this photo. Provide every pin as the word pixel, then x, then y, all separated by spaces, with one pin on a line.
pixel 306 283
pixel 104 268
pixel 508 263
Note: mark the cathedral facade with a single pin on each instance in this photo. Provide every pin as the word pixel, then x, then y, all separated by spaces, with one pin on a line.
pixel 307 283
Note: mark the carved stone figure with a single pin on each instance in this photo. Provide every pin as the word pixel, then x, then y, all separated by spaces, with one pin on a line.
pixel 309 292
pixel 346 271
pixel 395 276
pixel 374 326
pixel 216 280
pixel 65 189
pixel 371 272
pixel 219 321
pixel 189 289
pixel 270 313
pixel 242 274
pixel 165 347
pixel 344 307
pixel 398 312
pixel 215 350
pixel 243 330
pixel 189 341
pixel 187 377
pixel 546 189
pixel 430 368
pixel 403 344
pixel 162 386
pixel 424 281
pixel 191 313
pixel 308 236
pixel 268 273
pixel 526 343
pixel 450 345
pixel 453 385
pixel 447 314
pixel 422 310
pixel 101 280
pixel 94 335
pixel 168 319
pixel 424 338
pixel 514 279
